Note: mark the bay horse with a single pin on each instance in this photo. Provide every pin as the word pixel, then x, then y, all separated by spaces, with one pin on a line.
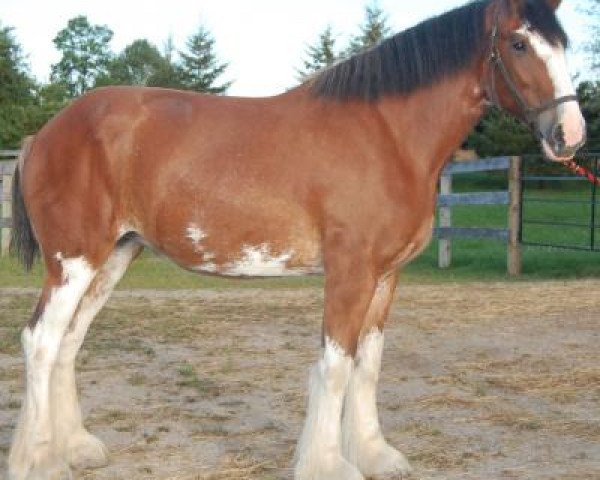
pixel 338 174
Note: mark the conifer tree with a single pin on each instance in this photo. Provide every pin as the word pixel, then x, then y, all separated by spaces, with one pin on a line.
pixel 200 67
pixel 320 55
pixel 17 99
pixel 589 99
pixel 500 134
pixel 372 31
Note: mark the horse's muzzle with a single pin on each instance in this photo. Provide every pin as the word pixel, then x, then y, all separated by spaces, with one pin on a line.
pixel 557 148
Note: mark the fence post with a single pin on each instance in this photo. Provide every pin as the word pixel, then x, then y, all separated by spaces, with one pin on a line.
pixel 445 244
pixel 514 218
pixel 6 212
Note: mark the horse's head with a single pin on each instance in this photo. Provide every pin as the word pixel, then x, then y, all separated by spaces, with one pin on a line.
pixel 528 74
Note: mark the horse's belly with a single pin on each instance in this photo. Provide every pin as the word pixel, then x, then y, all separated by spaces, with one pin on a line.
pixel 262 261
pixel 290 250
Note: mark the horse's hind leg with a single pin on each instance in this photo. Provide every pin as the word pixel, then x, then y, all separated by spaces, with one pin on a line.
pixel 80 448
pixel 50 434
pixel 363 441
pixel 34 454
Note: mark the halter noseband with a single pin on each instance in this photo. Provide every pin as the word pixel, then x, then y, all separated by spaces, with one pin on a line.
pixel 531 114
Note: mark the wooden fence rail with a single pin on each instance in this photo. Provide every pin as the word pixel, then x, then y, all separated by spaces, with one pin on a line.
pixel 6 172
pixel 511 198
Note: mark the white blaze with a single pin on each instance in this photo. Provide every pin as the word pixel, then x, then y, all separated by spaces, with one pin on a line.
pixel 569 113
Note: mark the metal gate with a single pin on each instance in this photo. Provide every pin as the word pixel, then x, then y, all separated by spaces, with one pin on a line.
pixel 560 209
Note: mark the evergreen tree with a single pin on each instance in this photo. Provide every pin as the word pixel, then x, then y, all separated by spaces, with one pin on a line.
pixel 17 100
pixel 589 100
pixel 50 99
pixel 168 74
pixel 320 55
pixel 500 134
pixel 86 55
pixel 199 64
pixel 373 30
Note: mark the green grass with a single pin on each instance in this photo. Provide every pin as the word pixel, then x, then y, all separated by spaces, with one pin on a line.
pixel 150 271
pixel 472 260
pixel 481 260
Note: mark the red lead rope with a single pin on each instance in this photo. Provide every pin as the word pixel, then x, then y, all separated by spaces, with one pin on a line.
pixel 581 171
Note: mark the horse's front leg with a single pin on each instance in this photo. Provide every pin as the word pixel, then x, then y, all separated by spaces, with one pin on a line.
pixel 349 288
pixel 363 442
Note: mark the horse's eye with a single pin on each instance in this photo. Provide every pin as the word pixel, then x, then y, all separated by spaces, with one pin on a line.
pixel 520 46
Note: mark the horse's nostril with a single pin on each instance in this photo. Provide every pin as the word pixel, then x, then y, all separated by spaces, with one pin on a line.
pixel 558 135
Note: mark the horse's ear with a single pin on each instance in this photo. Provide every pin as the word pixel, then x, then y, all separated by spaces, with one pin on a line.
pixel 508 12
pixel 505 13
pixel 516 7
pixel 553 4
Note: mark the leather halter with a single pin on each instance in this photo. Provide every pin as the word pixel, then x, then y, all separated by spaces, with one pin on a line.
pixel 530 114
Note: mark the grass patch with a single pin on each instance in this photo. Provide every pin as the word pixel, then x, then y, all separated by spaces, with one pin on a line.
pixel 137 379
pixel 113 416
pixel 152 272
pixel 190 379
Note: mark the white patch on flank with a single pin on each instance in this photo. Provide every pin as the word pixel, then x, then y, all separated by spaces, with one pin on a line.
pixel 196 235
pixel 363 442
pixel 32 454
pixel 207 267
pixel 259 262
pixel 569 113
pixel 208 256
pixel 319 453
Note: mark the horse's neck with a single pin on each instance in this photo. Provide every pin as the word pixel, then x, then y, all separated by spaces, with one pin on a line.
pixel 429 125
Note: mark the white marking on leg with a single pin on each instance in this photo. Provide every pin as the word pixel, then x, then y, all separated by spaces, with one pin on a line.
pixel 363 443
pixel 32 447
pixel 81 448
pixel 319 454
pixel 361 420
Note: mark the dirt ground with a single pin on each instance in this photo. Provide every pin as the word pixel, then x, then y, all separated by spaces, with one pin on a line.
pixel 481 381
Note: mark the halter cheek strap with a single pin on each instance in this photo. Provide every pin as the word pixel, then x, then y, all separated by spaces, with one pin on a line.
pixel 530 114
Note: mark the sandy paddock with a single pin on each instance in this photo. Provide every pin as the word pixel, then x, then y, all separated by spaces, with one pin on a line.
pixel 480 381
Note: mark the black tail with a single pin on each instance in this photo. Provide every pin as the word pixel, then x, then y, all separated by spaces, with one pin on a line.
pixel 23 243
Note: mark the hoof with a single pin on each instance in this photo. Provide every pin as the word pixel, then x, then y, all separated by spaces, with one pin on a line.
pixel 336 468
pixel 384 463
pixel 87 451
pixel 39 466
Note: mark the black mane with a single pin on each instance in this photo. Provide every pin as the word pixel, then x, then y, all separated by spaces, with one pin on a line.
pixel 425 54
